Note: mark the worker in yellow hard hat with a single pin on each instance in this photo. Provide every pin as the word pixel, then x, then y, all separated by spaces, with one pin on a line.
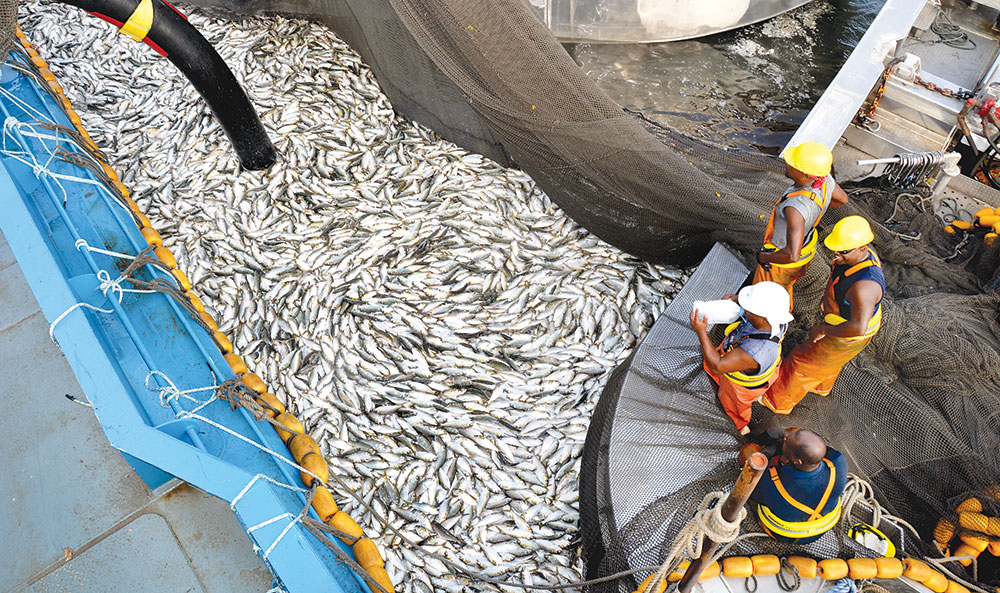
pixel 790 238
pixel 852 314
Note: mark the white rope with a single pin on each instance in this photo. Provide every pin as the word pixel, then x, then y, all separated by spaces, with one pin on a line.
pixel 858 490
pixel 193 415
pixel 295 519
pixel 25 156
pixel 24 105
pixel 246 488
pixel 231 432
pixel 707 522
pixel 292 523
pixel 52 326
pixel 939 564
pixel 174 392
pixel 82 244
pixel 114 286
pixel 171 392
pixel 724 549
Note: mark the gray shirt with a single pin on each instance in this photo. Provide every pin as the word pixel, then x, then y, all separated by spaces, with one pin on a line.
pixel 762 350
pixel 806 206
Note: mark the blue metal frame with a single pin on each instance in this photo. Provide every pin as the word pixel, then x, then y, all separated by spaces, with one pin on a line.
pixel 113 354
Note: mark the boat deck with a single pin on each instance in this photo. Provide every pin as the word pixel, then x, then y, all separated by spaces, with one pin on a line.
pixel 75 514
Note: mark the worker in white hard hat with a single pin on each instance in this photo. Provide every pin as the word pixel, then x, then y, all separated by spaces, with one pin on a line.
pixel 790 238
pixel 746 361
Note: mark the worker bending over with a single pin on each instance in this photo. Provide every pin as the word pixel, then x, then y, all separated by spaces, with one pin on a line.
pixel 746 361
pixel 791 236
pixel 798 500
pixel 852 314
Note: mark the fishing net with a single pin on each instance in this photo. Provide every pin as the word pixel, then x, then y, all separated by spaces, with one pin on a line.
pixel 8 18
pixel 916 414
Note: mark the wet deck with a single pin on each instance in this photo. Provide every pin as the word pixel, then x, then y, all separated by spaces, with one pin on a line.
pixel 74 514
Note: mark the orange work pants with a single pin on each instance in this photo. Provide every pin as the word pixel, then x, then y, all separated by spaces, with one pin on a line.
pixel 737 400
pixel 812 367
pixel 783 276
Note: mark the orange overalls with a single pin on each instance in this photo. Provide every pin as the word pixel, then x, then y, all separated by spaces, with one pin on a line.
pixel 815 366
pixel 738 391
pixel 787 274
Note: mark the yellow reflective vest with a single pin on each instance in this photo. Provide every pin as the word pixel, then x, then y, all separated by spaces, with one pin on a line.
pixel 817 524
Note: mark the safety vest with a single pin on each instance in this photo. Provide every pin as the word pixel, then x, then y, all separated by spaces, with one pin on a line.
pixel 816 524
pixel 836 308
pixel 763 375
pixel 812 237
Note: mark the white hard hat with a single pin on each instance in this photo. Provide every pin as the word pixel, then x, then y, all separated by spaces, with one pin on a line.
pixel 769 300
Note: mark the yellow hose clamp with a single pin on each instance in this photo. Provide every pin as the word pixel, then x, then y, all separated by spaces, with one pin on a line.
pixel 138 25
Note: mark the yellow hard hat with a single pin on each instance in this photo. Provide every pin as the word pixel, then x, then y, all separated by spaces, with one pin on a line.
pixel 850 233
pixel 812 158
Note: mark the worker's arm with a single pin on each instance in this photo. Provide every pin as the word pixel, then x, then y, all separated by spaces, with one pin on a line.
pixel 839 197
pixel 794 236
pixel 731 362
pixel 863 296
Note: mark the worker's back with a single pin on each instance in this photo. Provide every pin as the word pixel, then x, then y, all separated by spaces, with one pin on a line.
pixel 800 506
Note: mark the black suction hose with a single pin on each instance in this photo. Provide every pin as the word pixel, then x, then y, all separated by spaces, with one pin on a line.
pixel 173 37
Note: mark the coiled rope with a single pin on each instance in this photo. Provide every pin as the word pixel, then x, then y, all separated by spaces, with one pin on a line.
pixel 858 490
pixel 707 522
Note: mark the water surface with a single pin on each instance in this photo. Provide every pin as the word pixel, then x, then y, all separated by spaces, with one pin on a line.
pixel 748 88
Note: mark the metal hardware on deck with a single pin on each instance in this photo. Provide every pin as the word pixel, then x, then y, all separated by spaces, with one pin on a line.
pixel 907 170
pixel 907 69
pixel 848 91
pixel 752 471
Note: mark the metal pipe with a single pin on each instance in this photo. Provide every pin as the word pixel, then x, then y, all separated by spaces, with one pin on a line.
pixel 892 160
pixel 948 157
pixel 745 484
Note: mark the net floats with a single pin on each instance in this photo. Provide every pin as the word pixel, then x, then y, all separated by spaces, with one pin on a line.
pixel 829 569
pixel 985 219
pixel 972 530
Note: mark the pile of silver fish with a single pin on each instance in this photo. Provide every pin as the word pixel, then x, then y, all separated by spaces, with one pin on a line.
pixel 440 327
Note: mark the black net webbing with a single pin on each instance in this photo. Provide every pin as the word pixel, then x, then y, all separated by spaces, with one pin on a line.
pixel 490 77
pixel 917 413
pixel 8 19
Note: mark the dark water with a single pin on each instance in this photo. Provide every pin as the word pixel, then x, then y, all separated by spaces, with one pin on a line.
pixel 748 88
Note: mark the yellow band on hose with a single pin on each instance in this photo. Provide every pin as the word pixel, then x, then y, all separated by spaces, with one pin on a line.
pixel 137 26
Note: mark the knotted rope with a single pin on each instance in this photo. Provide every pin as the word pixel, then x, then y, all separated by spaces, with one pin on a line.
pixel 844 585
pixel 238 394
pixel 707 522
